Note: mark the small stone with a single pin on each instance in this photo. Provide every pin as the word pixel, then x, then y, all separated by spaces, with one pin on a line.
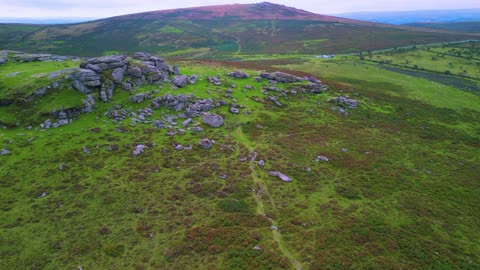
pixel 186 122
pixel 322 158
pixel 179 147
pixel 112 147
pixel 85 150
pixel 197 129
pixel 274 228
pixel 308 169
pixel 4 152
pixel 206 143
pixel 138 150
pixel 43 195
pixel 257 247
pixel 259 126
pixel 234 110
pixel 280 175
pixel 344 150
pixel 261 163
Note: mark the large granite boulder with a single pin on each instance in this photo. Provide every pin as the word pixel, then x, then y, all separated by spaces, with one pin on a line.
pixel 103 63
pixel 281 77
pixel 213 120
pixel 86 81
pixel 180 81
pixel 238 74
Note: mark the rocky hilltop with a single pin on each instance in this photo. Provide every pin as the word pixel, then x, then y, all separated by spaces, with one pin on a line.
pixel 99 78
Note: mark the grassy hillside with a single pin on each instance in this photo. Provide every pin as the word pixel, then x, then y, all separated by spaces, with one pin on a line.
pixel 218 32
pixel 399 191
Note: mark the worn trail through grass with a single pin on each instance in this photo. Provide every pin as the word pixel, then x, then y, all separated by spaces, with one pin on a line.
pixel 262 189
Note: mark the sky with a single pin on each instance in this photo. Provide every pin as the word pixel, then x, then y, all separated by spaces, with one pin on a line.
pixel 108 8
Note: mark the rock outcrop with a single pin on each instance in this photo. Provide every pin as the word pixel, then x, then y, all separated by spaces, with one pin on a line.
pixel 86 81
pixel 238 74
pixel 281 77
pixel 345 102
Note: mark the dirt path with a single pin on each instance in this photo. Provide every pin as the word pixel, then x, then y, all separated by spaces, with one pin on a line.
pixel 261 189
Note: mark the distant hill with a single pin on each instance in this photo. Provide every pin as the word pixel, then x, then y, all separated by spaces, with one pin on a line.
pixel 405 17
pixel 56 20
pixel 217 32
pixel 456 26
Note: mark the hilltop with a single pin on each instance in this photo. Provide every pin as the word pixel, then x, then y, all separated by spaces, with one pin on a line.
pixel 260 11
pixel 226 31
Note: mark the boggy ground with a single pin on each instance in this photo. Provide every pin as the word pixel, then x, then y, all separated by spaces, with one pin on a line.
pixel 400 189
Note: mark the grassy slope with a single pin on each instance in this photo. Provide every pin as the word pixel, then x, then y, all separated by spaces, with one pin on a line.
pixel 222 37
pixel 404 195
pixel 18 81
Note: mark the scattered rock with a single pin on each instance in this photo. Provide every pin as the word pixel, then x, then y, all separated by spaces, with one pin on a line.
pixel 4 152
pixel 46 124
pixel 180 81
pixel 197 129
pixel 344 101
pixel 112 147
pixel 344 150
pixel 192 79
pixel 261 163
pixel 234 110
pixel 213 120
pixel 238 74
pixel 214 80
pixel 257 247
pixel 138 98
pixel 280 175
pixel 187 122
pixel 206 143
pixel 322 158
pixel 176 70
pixel 179 147
pixel 139 149
pixel 85 150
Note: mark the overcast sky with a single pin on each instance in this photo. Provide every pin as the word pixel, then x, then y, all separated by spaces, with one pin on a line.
pixel 108 8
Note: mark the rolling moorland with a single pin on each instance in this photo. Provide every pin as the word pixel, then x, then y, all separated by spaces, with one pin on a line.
pixel 278 161
pixel 218 32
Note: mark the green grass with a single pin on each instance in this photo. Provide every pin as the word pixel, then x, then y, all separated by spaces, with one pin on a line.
pixel 404 195
pixel 360 75
pixel 30 76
